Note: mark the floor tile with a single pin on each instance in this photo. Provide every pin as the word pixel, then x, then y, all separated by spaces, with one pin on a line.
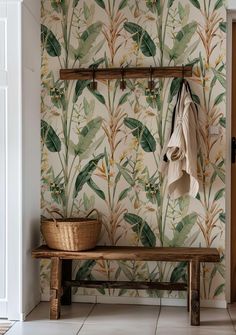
pixel 215 317
pixel 232 313
pixel 194 331
pixel 106 314
pixel 111 319
pixel 5 325
pixel 174 317
pixel 44 328
pixel 77 312
pixel 106 329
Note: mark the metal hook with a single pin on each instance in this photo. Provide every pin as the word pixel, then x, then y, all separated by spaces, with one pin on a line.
pixel 151 83
pixel 122 82
pixel 150 90
pixel 93 85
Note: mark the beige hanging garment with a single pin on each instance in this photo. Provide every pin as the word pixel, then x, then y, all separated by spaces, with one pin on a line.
pixel 182 148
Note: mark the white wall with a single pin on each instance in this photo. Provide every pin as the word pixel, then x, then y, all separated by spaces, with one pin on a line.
pixel 231 4
pixel 31 151
pixel 34 6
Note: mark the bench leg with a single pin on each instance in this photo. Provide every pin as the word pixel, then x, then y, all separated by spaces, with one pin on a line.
pixel 194 293
pixel 55 288
pixel 66 275
pixel 188 282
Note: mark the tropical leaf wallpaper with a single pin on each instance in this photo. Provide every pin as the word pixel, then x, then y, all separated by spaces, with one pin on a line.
pixel 104 149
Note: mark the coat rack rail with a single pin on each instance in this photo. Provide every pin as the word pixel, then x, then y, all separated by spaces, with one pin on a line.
pixel 126 72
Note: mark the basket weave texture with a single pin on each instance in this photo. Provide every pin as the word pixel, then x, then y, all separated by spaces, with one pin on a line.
pixel 71 234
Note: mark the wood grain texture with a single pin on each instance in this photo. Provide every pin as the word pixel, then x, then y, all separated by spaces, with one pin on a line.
pixel 133 253
pixel 191 255
pixel 194 293
pixel 131 73
pixel 233 174
pixel 188 278
pixel 55 288
pixel 134 285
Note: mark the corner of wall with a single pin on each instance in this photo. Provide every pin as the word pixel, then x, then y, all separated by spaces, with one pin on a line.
pixel 31 152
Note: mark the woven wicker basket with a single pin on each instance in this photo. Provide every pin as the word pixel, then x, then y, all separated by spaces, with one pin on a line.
pixel 71 234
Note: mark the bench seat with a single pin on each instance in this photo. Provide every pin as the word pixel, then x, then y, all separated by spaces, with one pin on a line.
pixel 61 271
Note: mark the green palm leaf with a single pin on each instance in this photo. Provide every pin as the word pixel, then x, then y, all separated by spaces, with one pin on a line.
pixel 182 39
pixel 142 38
pixel 85 175
pixel 88 134
pixel 140 227
pixel 141 132
pixel 50 42
pixel 79 87
pixel 86 41
pixel 50 137
pixel 183 229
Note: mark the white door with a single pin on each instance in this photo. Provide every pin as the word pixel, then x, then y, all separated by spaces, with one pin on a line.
pixel 3 107
pixel 19 156
pixel 10 160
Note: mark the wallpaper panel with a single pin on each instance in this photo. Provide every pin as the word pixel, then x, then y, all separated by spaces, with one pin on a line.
pixel 104 149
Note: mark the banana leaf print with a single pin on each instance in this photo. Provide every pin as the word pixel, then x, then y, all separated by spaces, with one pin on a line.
pixel 142 134
pixel 143 230
pixel 142 38
pixel 85 175
pixel 104 148
pixel 86 42
pixel 182 39
pixel 87 135
pixel 179 273
pixel 50 42
pixel 50 137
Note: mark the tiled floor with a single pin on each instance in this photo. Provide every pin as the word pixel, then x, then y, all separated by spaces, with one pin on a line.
pixel 90 319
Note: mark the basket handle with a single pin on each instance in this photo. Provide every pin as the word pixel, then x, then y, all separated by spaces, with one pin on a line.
pixel 52 216
pixel 93 210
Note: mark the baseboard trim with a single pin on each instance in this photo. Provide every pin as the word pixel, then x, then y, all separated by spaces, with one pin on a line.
pixel 3 309
pixel 128 300
pixel 204 303
pixel 100 299
pixel 28 309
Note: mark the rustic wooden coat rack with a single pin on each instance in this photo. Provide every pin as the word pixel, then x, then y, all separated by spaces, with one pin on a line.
pixel 126 72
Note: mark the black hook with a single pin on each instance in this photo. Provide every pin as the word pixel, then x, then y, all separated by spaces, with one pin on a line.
pixel 122 82
pixel 150 90
pixel 151 83
pixel 93 85
pixel 183 71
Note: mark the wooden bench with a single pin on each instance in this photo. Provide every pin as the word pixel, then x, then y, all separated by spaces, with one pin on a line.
pixel 61 271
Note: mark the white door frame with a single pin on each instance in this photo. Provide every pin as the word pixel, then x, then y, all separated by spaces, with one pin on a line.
pixel 23 156
pixel 14 161
pixel 3 104
pixel 20 79
pixel 10 14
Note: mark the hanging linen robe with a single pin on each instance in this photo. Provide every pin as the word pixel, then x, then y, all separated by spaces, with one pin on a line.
pixel 182 148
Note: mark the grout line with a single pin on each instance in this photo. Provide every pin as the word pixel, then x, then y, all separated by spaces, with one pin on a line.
pixel 89 313
pixel 158 316
pixel 79 329
pixel 231 319
pixel 91 310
